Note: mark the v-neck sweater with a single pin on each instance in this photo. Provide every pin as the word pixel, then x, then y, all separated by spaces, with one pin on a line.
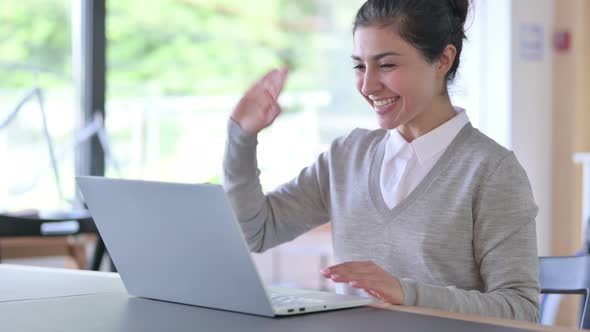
pixel 406 163
pixel 463 240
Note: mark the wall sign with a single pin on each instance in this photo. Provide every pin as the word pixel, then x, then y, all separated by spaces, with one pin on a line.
pixel 530 39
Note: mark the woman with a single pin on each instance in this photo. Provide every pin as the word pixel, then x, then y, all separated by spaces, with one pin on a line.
pixel 426 211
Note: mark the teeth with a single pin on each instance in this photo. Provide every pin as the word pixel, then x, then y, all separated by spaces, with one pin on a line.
pixel 385 102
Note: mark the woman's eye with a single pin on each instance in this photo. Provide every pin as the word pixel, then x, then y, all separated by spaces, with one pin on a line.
pixel 358 67
pixel 388 65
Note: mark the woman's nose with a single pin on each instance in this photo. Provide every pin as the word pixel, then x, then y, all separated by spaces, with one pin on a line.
pixel 371 84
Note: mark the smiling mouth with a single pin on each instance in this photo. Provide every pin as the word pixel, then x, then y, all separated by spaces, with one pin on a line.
pixel 384 106
pixel 385 102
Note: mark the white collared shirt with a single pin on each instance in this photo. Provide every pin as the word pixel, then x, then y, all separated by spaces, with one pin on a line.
pixel 406 164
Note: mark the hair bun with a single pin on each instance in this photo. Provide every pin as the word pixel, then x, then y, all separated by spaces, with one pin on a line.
pixel 428 25
pixel 459 8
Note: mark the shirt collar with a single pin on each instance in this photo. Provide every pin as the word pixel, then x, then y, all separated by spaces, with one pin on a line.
pixel 395 144
pixel 435 141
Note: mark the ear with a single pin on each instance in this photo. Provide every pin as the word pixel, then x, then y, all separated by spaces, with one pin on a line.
pixel 445 62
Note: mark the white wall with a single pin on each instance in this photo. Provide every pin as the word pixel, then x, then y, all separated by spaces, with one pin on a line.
pixel 532 101
pixel 483 84
pixel 505 82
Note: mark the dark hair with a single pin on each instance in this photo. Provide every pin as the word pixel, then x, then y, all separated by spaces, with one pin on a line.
pixel 429 25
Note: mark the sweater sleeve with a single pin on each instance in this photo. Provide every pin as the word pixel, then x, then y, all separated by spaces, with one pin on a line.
pixel 281 215
pixel 505 247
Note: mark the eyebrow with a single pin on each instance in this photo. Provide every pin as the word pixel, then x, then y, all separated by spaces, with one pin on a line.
pixel 377 56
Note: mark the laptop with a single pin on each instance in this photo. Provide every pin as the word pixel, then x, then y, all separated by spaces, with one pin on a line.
pixel 182 243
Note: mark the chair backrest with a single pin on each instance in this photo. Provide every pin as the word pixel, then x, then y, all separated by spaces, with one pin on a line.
pixel 567 275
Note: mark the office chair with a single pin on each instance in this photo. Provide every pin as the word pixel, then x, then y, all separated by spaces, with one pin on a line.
pixel 566 275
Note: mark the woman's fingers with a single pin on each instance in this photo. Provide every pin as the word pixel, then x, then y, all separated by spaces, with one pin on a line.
pixel 273 109
pixel 356 275
pixel 349 267
pixel 266 78
pixel 373 285
pixel 274 81
pixel 379 289
pixel 375 295
pixel 282 78
pixel 269 88
pixel 367 276
pixel 258 108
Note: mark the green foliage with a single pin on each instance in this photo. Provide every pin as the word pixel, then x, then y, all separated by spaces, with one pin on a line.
pixel 198 47
pixel 163 47
pixel 36 43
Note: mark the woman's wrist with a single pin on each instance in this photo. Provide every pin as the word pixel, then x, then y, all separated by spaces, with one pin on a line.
pixel 238 135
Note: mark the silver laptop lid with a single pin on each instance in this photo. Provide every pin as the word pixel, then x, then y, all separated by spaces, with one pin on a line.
pixel 176 242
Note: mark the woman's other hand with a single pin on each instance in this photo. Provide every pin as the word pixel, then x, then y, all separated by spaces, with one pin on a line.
pixel 258 108
pixel 367 276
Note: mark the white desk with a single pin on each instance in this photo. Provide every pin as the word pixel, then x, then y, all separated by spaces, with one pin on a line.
pixel 19 283
pixel 38 299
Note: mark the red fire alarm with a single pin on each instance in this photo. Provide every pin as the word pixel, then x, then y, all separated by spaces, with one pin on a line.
pixel 562 41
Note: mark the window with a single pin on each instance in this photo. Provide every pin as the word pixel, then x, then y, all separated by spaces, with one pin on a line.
pixel 36 53
pixel 176 70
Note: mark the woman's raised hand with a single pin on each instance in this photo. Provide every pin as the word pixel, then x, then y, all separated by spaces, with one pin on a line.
pixel 258 107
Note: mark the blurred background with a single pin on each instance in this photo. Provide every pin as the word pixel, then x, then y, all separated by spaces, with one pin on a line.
pixel 156 81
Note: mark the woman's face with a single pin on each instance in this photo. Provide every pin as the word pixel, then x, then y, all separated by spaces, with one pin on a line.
pixel 394 78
